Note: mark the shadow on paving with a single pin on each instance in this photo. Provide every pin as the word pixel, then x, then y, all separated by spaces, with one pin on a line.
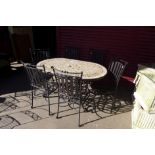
pixel 16 81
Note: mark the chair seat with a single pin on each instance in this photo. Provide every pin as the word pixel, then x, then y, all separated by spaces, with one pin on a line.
pixel 46 92
pixel 40 80
pixel 107 84
pixel 52 85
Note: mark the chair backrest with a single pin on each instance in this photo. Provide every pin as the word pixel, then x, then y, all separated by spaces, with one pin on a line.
pixel 72 53
pixel 39 54
pixel 117 67
pixel 98 56
pixel 69 84
pixel 36 75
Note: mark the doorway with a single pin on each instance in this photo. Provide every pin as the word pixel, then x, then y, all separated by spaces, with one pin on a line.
pixel 44 37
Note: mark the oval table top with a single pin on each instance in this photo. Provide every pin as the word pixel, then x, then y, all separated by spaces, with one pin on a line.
pixel 91 71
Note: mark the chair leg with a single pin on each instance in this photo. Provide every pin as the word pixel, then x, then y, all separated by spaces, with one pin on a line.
pixel 15 94
pixel 49 109
pixel 113 103
pixel 79 114
pixel 58 107
pixel 32 98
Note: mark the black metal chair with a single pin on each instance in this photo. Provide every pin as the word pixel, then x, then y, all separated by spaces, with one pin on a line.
pixel 99 56
pixel 109 84
pixel 72 52
pixel 69 89
pixel 39 55
pixel 40 80
pixel 117 67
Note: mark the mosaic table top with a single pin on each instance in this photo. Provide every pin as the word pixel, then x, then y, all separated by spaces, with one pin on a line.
pixel 90 70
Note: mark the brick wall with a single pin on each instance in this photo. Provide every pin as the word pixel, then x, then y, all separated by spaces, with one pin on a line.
pixel 134 44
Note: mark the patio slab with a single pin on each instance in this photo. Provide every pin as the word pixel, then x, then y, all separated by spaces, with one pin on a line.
pixel 16 112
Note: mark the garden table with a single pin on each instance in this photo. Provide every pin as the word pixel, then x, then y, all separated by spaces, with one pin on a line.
pixel 91 71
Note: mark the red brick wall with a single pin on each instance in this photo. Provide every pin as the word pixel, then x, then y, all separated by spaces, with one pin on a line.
pixel 134 44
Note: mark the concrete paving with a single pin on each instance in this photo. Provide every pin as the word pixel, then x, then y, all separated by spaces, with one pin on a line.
pixel 16 112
